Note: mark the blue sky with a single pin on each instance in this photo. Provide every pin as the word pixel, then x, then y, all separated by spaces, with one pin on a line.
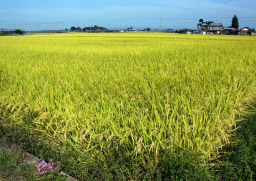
pixel 55 14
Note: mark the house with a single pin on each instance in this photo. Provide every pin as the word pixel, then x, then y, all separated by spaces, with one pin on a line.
pixel 215 28
pixel 202 27
pixel 230 31
pixel 246 31
pixel 194 31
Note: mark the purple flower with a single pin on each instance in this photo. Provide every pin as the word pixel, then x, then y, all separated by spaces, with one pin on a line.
pixel 50 160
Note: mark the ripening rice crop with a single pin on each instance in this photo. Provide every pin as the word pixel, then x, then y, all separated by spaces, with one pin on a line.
pixel 147 93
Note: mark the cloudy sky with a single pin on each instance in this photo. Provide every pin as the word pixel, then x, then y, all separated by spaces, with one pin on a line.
pixel 118 14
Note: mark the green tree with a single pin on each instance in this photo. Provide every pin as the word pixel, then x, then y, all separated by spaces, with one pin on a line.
pixel 147 29
pixel 204 29
pixel 235 23
pixel 209 22
pixel 199 25
pixel 18 31
pixel 73 28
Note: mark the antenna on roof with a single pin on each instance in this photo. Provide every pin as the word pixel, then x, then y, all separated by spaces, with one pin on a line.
pixel 217 19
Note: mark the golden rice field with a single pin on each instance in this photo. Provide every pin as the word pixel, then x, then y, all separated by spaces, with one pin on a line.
pixel 147 93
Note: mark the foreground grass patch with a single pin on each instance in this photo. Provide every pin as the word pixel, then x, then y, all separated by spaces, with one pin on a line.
pixel 12 167
pixel 238 161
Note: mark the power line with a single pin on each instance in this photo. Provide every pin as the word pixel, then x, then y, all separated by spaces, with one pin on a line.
pixel 162 21
pixel 123 19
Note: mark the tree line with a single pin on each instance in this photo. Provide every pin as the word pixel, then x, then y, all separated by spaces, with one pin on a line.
pixel 89 28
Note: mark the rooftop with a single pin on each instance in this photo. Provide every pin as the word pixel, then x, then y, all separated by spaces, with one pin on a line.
pixel 216 24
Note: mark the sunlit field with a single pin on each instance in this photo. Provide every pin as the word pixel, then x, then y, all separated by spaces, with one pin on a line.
pixel 139 96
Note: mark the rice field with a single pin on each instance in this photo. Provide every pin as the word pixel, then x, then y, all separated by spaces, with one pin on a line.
pixel 148 93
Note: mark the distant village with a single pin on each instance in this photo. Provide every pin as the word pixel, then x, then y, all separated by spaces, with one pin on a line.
pixel 209 27
pixel 203 27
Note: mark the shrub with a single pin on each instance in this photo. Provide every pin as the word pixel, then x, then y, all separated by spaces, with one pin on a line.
pixel 18 31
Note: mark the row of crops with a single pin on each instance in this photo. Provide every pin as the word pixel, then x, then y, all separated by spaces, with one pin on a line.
pixel 135 96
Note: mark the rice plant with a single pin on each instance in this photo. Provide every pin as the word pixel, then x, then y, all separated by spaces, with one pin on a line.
pixel 148 94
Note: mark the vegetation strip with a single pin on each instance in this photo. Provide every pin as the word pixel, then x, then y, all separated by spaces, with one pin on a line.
pixel 28 158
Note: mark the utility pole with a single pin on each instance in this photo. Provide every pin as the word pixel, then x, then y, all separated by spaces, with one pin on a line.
pixel 161 24
pixel 77 25
pixel 61 25
pixel 90 26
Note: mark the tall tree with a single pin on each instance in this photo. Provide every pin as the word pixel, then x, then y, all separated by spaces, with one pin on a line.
pixel 199 25
pixel 235 23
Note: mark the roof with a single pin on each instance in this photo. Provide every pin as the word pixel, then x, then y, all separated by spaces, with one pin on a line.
pixel 216 24
pixel 215 30
pixel 229 28
pixel 245 29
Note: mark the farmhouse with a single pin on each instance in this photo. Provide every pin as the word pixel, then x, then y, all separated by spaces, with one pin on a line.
pixel 230 31
pixel 246 31
pixel 204 26
pixel 215 28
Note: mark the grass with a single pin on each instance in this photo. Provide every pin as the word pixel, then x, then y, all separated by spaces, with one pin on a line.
pixel 129 103
pixel 238 161
pixel 12 167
